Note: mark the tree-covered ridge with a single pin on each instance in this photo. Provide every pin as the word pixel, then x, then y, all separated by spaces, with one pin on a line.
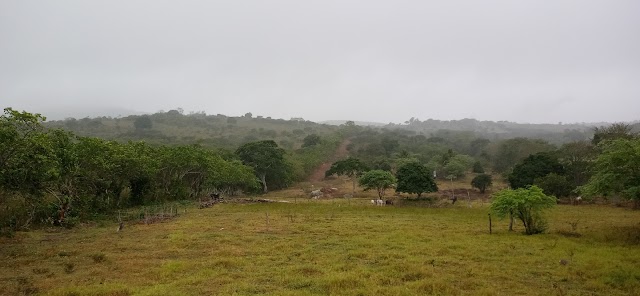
pixel 553 133
pixel 175 127
pixel 51 175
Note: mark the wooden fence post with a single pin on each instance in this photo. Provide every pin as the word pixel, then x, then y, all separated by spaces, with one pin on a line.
pixel 489 223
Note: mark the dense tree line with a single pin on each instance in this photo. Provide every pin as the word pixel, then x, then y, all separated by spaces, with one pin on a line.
pixel 175 127
pixel 53 176
pixel 570 169
pixel 49 175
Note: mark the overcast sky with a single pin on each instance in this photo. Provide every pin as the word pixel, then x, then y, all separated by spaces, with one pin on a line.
pixel 387 61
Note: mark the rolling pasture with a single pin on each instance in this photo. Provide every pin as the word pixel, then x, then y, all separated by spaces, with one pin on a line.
pixel 332 247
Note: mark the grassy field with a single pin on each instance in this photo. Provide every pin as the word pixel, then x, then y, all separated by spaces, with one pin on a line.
pixel 332 247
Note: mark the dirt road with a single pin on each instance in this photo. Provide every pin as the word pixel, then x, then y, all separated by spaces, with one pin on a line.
pixel 341 152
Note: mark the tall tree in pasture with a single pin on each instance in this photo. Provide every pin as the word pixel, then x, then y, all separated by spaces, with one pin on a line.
pixel 350 167
pixel 534 166
pixel 267 160
pixel 482 182
pixel 612 132
pixel 415 178
pixel 379 180
pixel 616 170
pixel 526 204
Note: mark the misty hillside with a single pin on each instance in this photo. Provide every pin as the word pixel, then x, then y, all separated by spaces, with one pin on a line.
pixel 174 127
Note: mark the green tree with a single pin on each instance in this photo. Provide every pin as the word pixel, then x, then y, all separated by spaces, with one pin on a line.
pixel 311 140
pixel 379 180
pixel 267 160
pixel 526 204
pixel 577 157
pixel 143 122
pixel 532 167
pixel 510 152
pixel 415 178
pixel 29 168
pixel 458 165
pixel 554 184
pixel 481 182
pixel 350 167
pixel 612 132
pixel 477 168
pixel 616 170
pixel 389 145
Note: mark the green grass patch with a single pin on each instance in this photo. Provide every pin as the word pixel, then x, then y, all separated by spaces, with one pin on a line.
pixel 339 247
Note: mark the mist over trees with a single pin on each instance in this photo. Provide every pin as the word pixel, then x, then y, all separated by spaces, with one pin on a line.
pixel 65 171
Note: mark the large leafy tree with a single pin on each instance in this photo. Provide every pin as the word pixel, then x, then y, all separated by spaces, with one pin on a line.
pixel 415 178
pixel 526 204
pixel 481 182
pixel 554 184
pixel 576 157
pixel 458 165
pixel 379 180
pixel 267 160
pixel 28 167
pixel 532 167
pixel 612 132
pixel 616 170
pixel 350 167
pixel 511 151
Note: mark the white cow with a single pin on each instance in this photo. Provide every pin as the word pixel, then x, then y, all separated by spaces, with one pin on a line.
pixel 377 202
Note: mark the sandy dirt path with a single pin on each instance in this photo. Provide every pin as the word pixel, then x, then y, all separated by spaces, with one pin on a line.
pixel 341 152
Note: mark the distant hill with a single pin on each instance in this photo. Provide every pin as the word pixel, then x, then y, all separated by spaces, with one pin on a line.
pixel 553 133
pixel 175 128
pixel 360 123
pixel 82 112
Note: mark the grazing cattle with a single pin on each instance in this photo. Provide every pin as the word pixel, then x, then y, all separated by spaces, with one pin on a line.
pixel 388 202
pixel 315 194
pixel 578 199
pixel 378 202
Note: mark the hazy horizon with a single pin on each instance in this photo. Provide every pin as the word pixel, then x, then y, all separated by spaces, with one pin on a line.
pixel 374 61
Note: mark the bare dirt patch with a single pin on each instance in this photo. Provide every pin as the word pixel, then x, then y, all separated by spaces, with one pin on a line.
pixel 341 152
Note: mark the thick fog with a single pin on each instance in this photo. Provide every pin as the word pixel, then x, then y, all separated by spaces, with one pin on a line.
pixel 385 61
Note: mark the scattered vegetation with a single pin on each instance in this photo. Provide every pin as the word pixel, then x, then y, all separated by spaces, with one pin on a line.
pixel 123 167
pixel 526 204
